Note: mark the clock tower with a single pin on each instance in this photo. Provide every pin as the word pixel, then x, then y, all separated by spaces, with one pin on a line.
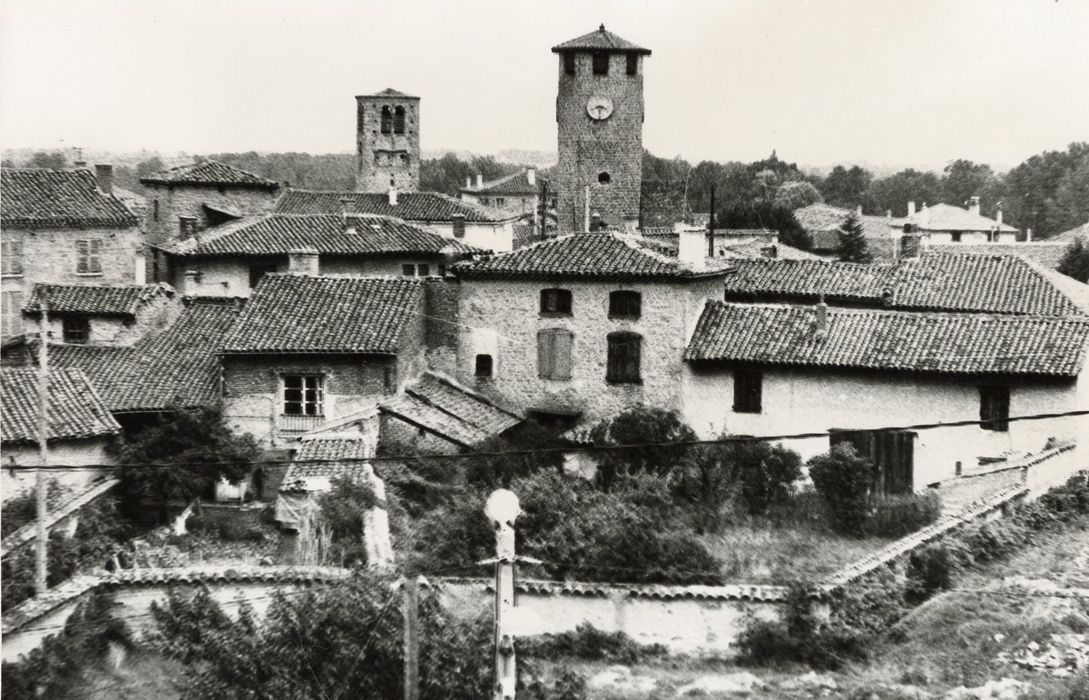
pixel 599 115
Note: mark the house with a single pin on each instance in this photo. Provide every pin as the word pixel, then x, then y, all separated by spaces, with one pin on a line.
pixel 774 369
pixel 231 259
pixel 824 222
pixel 520 192
pixel 944 223
pixel 583 325
pixel 310 350
pixel 114 315
pixel 63 227
pixel 80 429
pixel 1001 284
pixel 473 224
pixel 734 243
pixel 187 199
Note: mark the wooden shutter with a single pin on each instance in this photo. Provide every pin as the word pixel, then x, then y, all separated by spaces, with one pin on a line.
pixel 544 354
pixel 563 342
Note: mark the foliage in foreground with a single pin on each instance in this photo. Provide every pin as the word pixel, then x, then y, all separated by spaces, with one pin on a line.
pixel 1075 261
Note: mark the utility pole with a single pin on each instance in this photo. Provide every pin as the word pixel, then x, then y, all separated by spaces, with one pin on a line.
pixel 711 226
pixel 40 553
pixel 412 637
pixel 502 508
pixel 586 210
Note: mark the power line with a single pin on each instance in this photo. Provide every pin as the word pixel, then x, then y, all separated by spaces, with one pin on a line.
pixel 729 439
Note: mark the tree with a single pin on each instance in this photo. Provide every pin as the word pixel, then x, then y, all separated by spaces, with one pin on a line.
pixel 797 194
pixel 852 241
pixel 640 425
pixel 1075 262
pixel 768 216
pixel 847 187
pixel 963 179
pixel 342 509
pixel 843 479
pixel 48 160
pixel 893 193
pixel 200 449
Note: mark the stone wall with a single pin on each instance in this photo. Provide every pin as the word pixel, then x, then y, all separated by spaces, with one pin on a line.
pixel 588 147
pixel 151 317
pixel 380 157
pixel 162 225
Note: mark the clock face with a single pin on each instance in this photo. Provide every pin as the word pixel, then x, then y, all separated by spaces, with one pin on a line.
pixel 599 107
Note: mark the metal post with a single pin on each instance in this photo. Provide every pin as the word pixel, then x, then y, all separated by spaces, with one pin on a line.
pixel 506 677
pixel 711 226
pixel 586 210
pixel 40 552
pixel 412 637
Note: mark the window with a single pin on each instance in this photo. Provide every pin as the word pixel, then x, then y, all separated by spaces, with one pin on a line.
pixel 387 120
pixel 625 350
pixel 89 256
pixel 459 226
pixel 994 408
pixel 955 236
pixel 423 270
pixel 554 353
pixel 259 270
pixel 303 395
pixel 399 120
pixel 569 63
pixel 633 63
pixel 484 366
pixel 625 303
pixel 12 312
pixel 11 257
pixel 500 201
pixel 748 391
pixel 408 270
pixel 155 209
pixel 556 302
pixel 389 378
pixel 76 330
pixel 604 178
pixel 601 62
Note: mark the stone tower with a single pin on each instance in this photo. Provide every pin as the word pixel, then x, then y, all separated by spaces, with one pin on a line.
pixel 599 114
pixel 387 142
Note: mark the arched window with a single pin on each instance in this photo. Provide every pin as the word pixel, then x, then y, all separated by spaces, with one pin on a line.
pixel 399 120
pixel 625 303
pixel 624 358
pixel 387 120
pixel 556 302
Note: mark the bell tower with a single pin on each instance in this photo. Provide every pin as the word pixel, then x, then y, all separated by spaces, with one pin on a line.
pixel 599 118
pixel 387 142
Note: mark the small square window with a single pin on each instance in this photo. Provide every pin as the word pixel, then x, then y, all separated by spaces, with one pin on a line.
pixel 408 270
pixel 556 302
pixel 569 63
pixel 76 330
pixel 748 391
pixel 625 304
pixel 601 62
pixel 484 366
pixel 955 236
pixel 423 270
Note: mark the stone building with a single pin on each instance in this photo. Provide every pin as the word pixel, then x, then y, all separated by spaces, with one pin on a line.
pixel 599 117
pixel 945 223
pixel 188 199
pixel 230 260
pixel 581 326
pixel 518 192
pixel 110 315
pixel 63 227
pixel 387 142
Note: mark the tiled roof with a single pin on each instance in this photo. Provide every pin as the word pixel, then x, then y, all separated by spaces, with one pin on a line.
pixel 210 172
pixel 1049 254
pixel 320 460
pixel 447 409
pixel 823 222
pixel 589 256
pixel 994 284
pixel 290 313
pixel 891 340
pixel 515 183
pixel 75 410
pixel 741 592
pixel 599 40
pixel 178 367
pixel 524 234
pixel 1079 232
pixel 946 217
pixel 390 92
pixel 58 199
pixel 109 300
pixel 328 233
pixel 411 206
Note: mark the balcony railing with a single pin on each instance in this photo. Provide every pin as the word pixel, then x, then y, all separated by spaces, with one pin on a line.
pixel 298 424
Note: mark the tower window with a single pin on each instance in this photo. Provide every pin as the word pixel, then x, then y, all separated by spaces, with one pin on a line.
pixel 633 63
pixel 484 366
pixel 387 120
pixel 601 62
pixel 569 63
pixel 604 178
pixel 399 120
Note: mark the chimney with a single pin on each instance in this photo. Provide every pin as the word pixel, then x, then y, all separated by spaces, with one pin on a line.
pixel 104 177
pixel 909 246
pixel 595 222
pixel 392 196
pixel 79 164
pixel 459 226
pixel 973 205
pixel 998 214
pixel 468 181
pixel 479 180
pixel 345 207
pixel 911 208
pixel 303 261
pixel 692 248
pixel 1028 235
pixel 820 322
pixel 531 177
pixel 192 282
pixel 187 227
pixel 858 210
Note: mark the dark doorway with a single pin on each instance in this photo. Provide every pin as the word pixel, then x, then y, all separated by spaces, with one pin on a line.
pixel 892 454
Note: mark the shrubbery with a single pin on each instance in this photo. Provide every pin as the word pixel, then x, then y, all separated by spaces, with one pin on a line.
pixel 902 514
pixel 591 644
pixel 843 479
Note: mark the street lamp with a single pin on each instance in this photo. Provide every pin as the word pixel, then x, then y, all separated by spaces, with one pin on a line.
pixel 502 509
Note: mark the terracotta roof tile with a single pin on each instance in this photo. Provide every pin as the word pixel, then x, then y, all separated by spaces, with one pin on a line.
pixel 411 206
pixel 58 199
pixel 588 255
pixel 891 340
pixel 290 313
pixel 75 410
pixel 600 40
pixel 326 233
pixel 447 409
pixel 322 459
pixel 210 172
pixel 516 183
pixel 1046 253
pixel 946 217
pixel 108 300
pixel 1077 233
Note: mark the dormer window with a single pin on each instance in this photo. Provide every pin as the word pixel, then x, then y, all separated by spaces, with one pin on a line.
pixel 556 302
pixel 601 62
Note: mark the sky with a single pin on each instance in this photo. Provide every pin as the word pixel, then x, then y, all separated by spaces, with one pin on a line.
pixel 877 82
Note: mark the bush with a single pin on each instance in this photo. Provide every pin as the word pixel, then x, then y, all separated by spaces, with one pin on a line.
pixel 896 516
pixel 589 643
pixel 640 425
pixel 929 570
pixel 843 479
